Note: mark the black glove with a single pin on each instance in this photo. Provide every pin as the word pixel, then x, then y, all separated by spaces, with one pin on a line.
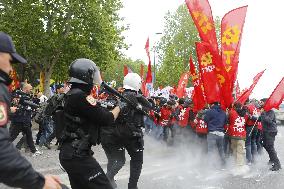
pixel 63 186
pixel 121 105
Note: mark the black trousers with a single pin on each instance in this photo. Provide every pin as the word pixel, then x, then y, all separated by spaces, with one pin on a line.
pixel 40 131
pixel 85 173
pixel 25 128
pixel 115 153
pixel 268 144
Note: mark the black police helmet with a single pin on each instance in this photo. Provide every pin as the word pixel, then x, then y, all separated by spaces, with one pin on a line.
pixel 84 71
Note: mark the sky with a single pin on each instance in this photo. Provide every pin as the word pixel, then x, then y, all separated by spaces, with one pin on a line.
pixel 262 42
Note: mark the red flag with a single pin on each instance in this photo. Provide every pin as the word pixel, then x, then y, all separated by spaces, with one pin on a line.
pixel 126 70
pixel 182 85
pixel 276 97
pixel 15 83
pixel 201 14
pixel 173 90
pixel 142 72
pixel 231 34
pixel 149 72
pixel 242 99
pixel 238 90
pixel 207 69
pixel 143 86
pixel 198 95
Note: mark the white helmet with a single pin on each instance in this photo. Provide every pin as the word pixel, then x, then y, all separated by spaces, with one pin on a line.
pixel 132 81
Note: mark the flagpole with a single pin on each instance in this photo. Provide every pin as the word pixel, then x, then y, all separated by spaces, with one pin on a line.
pixel 155 47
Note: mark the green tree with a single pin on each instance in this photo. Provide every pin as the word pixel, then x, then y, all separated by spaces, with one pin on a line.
pixel 53 33
pixel 175 47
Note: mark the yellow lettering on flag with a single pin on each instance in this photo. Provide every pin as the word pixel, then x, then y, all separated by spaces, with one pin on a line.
pixel 206 59
pixel 231 35
pixel 221 79
pixel 194 76
pixel 202 21
pixel 229 55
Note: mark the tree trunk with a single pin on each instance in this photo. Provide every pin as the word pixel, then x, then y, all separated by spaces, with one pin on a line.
pixel 47 77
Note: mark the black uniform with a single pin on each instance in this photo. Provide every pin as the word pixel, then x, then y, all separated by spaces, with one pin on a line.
pixel 16 171
pixel 269 125
pixel 126 134
pixel 82 116
pixel 21 122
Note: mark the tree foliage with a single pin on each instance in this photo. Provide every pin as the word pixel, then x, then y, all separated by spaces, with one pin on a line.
pixel 176 46
pixel 53 33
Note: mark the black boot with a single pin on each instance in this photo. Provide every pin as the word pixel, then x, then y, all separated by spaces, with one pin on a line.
pixel 112 182
pixel 275 167
pixel 270 162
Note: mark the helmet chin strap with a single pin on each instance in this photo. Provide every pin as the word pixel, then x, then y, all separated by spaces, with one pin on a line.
pixel 5 77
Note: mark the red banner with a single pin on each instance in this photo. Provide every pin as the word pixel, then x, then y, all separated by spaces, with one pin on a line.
pixel 201 14
pixel 231 34
pixel 198 95
pixel 143 86
pixel 182 85
pixel 276 97
pixel 149 72
pixel 242 99
pixel 207 69
pixel 15 83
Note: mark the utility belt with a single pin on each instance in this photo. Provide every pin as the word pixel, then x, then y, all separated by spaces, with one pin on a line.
pixel 75 135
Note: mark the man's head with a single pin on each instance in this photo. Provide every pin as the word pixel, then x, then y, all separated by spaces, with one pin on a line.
pixel 59 88
pixel 8 54
pixel 27 88
pixel 262 102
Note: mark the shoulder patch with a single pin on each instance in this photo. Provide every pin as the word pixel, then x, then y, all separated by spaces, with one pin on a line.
pixel 91 100
pixel 3 114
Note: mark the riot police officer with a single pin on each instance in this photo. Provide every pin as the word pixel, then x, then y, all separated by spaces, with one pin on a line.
pixel 82 119
pixel 127 134
pixel 16 171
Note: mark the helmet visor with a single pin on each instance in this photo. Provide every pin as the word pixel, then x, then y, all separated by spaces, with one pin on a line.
pixel 97 79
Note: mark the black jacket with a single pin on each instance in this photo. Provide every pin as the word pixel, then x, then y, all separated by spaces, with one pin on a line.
pixel 16 171
pixel 79 104
pixel 268 120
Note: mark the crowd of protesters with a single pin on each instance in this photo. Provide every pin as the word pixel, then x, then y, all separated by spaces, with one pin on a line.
pixel 241 131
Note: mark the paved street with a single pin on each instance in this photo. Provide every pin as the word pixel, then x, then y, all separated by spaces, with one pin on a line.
pixel 178 168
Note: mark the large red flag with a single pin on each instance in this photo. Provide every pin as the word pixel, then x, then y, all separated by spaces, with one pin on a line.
pixel 198 95
pixel 231 34
pixel 15 83
pixel 207 69
pixel 276 97
pixel 149 72
pixel 242 99
pixel 182 85
pixel 201 14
